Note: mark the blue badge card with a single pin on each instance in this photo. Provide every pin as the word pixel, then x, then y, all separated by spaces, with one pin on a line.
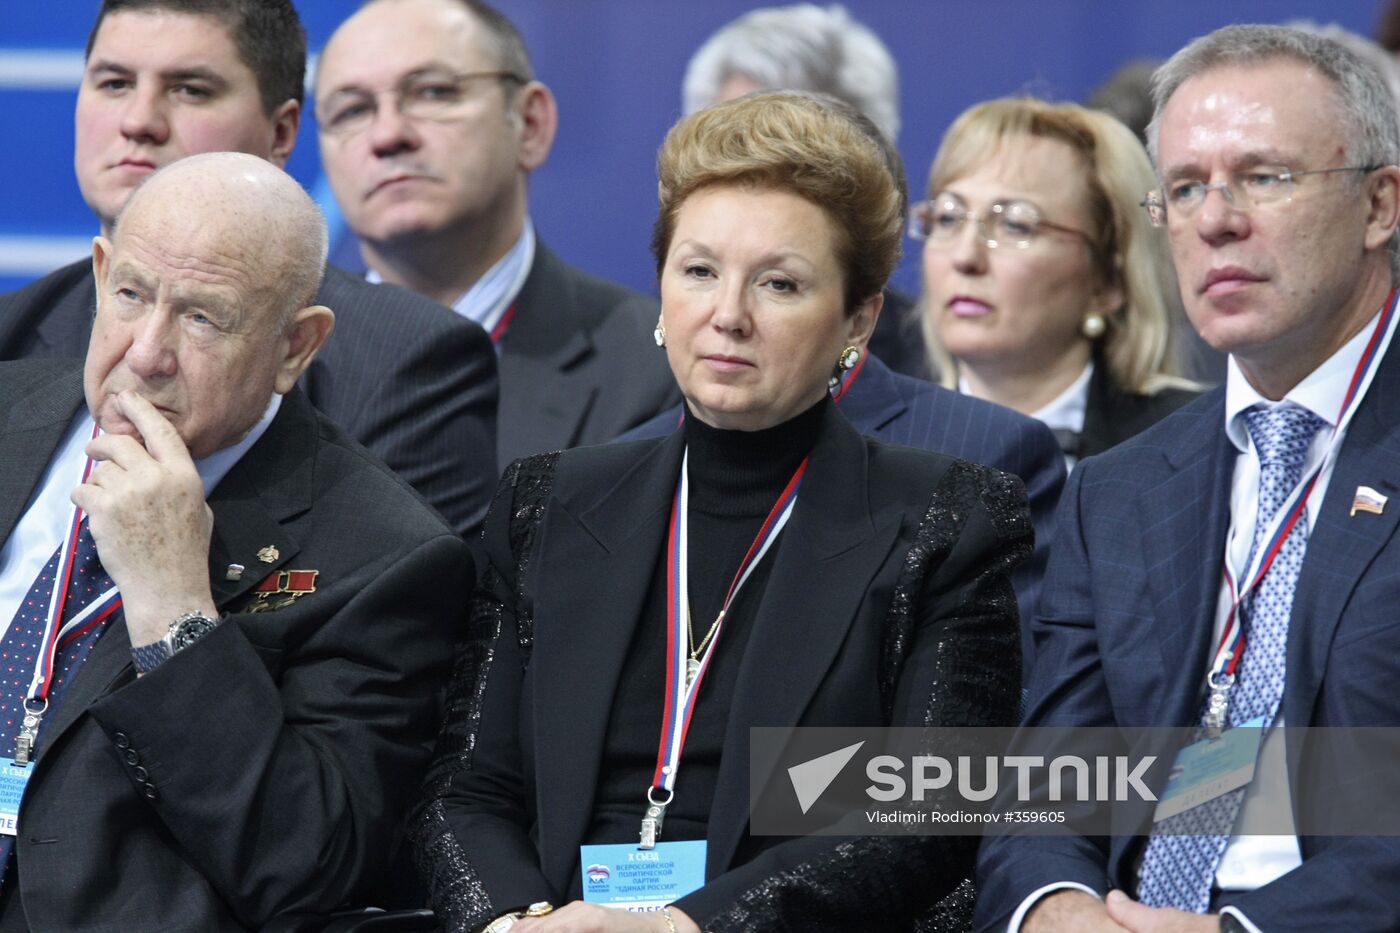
pixel 634 878
pixel 1206 769
pixel 13 777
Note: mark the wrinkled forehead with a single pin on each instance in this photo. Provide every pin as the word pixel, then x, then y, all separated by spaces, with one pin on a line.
pixel 1279 112
pixel 390 40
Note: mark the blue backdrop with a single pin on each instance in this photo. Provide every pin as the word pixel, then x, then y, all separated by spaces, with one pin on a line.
pixel 616 67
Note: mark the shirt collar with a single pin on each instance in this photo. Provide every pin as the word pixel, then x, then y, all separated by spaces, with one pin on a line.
pixel 1066 411
pixel 1321 392
pixel 487 301
pixel 215 467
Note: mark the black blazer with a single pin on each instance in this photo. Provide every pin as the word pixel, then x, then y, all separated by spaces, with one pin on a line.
pixel 267 767
pixel 409 379
pixel 578 364
pixel 1112 415
pixel 889 602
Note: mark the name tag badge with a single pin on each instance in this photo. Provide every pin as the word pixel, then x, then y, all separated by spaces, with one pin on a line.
pixel 1207 769
pixel 13 777
pixel 639 879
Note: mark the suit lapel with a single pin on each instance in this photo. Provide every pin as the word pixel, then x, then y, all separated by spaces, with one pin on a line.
pixel 1185 520
pixel 608 547
pixel 1342 547
pixel 32 430
pixel 66 329
pixel 827 555
pixel 545 396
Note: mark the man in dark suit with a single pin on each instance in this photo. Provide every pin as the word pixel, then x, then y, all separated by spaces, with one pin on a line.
pixel 260 616
pixel 884 404
pixel 431 123
pixel 169 78
pixel 1281 199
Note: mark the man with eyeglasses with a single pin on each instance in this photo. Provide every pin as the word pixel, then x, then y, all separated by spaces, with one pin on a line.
pixel 165 79
pixel 431 122
pixel 1236 567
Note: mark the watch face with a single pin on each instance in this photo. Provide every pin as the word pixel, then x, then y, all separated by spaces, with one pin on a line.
pixel 191 630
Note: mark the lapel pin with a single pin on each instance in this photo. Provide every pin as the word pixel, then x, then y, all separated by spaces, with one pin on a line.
pixel 1368 500
pixel 269 554
pixel 234 572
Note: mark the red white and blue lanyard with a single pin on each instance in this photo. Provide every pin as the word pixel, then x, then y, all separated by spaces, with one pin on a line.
pixel 497 330
pixel 1230 650
pixel 684 674
pixel 58 634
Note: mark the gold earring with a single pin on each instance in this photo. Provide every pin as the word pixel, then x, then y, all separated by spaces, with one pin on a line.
pixel 844 363
pixel 1093 327
pixel 659 334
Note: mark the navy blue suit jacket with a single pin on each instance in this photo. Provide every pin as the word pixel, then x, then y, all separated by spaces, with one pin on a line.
pixel 900 410
pixel 1123 638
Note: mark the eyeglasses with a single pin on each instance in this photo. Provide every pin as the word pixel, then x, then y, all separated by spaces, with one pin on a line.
pixel 422 96
pixel 1242 190
pixel 1012 223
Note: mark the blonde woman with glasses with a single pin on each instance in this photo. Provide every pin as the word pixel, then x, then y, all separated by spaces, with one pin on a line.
pixel 1047 289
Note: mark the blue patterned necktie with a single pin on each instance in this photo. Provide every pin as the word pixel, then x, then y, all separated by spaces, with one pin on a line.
pixel 1179 870
pixel 23 640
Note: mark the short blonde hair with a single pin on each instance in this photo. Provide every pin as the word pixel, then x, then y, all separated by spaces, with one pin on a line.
pixel 1127 250
pixel 801 143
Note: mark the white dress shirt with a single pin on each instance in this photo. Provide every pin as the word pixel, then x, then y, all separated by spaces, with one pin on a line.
pixel 49 511
pixel 1253 860
pixel 1065 412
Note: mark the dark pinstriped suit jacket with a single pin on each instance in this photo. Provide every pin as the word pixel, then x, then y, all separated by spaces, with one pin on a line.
pixel 900 410
pixel 407 378
pixel 578 365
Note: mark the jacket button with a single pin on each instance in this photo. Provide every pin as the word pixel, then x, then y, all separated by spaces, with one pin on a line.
pixel 150 791
pixel 121 740
pixel 132 758
pixel 141 773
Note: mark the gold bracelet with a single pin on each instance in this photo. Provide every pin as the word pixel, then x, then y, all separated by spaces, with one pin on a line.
pixel 670 921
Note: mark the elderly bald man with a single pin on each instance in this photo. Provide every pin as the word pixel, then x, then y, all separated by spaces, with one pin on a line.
pixel 225 623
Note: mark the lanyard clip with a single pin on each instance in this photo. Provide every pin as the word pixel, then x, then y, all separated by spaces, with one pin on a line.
pixel 29 730
pixel 653 818
pixel 1218 704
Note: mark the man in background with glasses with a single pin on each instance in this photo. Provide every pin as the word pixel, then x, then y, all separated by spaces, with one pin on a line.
pixel 431 122
pixel 165 79
pixel 1232 566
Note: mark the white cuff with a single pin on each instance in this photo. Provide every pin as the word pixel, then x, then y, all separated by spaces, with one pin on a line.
pixel 1034 898
pixel 1235 912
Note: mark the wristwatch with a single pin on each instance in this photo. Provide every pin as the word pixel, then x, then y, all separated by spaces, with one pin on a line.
pixel 506 921
pixel 184 631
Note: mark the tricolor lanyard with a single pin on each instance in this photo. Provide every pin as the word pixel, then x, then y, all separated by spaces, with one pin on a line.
pixel 684 673
pixel 1230 651
pixel 57 635
pixel 497 330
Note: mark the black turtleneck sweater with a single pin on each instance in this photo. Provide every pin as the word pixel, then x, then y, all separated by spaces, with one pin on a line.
pixel 735 478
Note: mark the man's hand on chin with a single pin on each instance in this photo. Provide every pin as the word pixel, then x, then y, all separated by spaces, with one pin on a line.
pixel 1143 919
pixel 147 514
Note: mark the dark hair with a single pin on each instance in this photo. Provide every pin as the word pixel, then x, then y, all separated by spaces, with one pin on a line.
pixel 267 33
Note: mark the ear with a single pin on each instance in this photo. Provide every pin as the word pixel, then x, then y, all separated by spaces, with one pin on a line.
pixel 1107 300
pixel 285 122
pixel 1384 206
pixel 861 325
pixel 310 329
pixel 537 115
pixel 101 259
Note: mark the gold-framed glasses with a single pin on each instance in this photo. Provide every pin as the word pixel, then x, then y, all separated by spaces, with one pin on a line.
pixel 424 95
pixel 941 219
pixel 1265 184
